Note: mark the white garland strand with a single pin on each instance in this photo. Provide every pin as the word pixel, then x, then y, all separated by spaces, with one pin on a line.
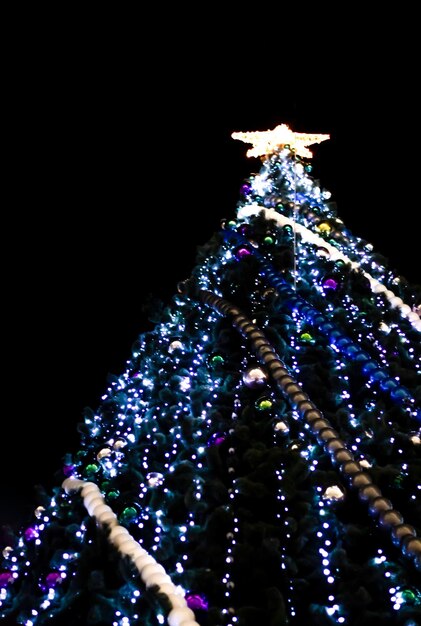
pixel 307 235
pixel 151 572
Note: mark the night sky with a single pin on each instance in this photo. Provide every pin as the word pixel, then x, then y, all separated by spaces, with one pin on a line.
pixel 113 180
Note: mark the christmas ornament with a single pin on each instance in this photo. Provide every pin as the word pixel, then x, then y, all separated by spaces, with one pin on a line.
pixel 103 454
pixel 324 228
pixel 176 344
pixel 399 480
pixel 296 445
pixel 128 514
pixel 91 469
pixel 330 283
pixel 7 551
pixel 264 404
pixel 415 438
pixel 113 494
pixel 306 337
pixel 334 493
pixel 242 252
pixel 281 427
pixel 39 512
pixel 228 224
pixel 31 533
pixel 119 443
pixel 245 230
pixel 6 579
pixel 53 579
pixel 216 439
pixel 196 602
pixel 323 252
pixel 68 470
pixel 155 479
pixel 216 359
pixel 268 293
pixel 254 377
pixel 410 596
pixel 182 286
pixel 269 240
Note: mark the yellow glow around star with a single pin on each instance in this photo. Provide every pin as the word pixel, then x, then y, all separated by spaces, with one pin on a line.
pixel 267 142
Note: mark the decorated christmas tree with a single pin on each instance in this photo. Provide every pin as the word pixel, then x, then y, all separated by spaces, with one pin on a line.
pixel 258 462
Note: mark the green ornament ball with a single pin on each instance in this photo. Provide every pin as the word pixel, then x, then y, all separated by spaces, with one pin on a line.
pixel 216 359
pixel 91 469
pixel 128 514
pixel 113 494
pixel 264 404
pixel 269 240
pixel 409 596
pixel 306 337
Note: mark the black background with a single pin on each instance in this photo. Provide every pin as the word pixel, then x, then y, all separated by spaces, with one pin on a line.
pixel 119 162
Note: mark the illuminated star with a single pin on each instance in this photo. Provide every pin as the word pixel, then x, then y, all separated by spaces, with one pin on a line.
pixel 267 142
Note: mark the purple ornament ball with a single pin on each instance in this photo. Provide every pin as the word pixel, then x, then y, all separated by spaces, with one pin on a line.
pixel 53 579
pixel 68 470
pixel 31 534
pixel 6 579
pixel 330 283
pixel 242 252
pixel 216 439
pixel 196 602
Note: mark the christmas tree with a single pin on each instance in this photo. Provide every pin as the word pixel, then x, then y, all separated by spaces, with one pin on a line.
pixel 258 462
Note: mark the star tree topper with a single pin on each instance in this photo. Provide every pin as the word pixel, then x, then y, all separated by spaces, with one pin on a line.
pixel 267 142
